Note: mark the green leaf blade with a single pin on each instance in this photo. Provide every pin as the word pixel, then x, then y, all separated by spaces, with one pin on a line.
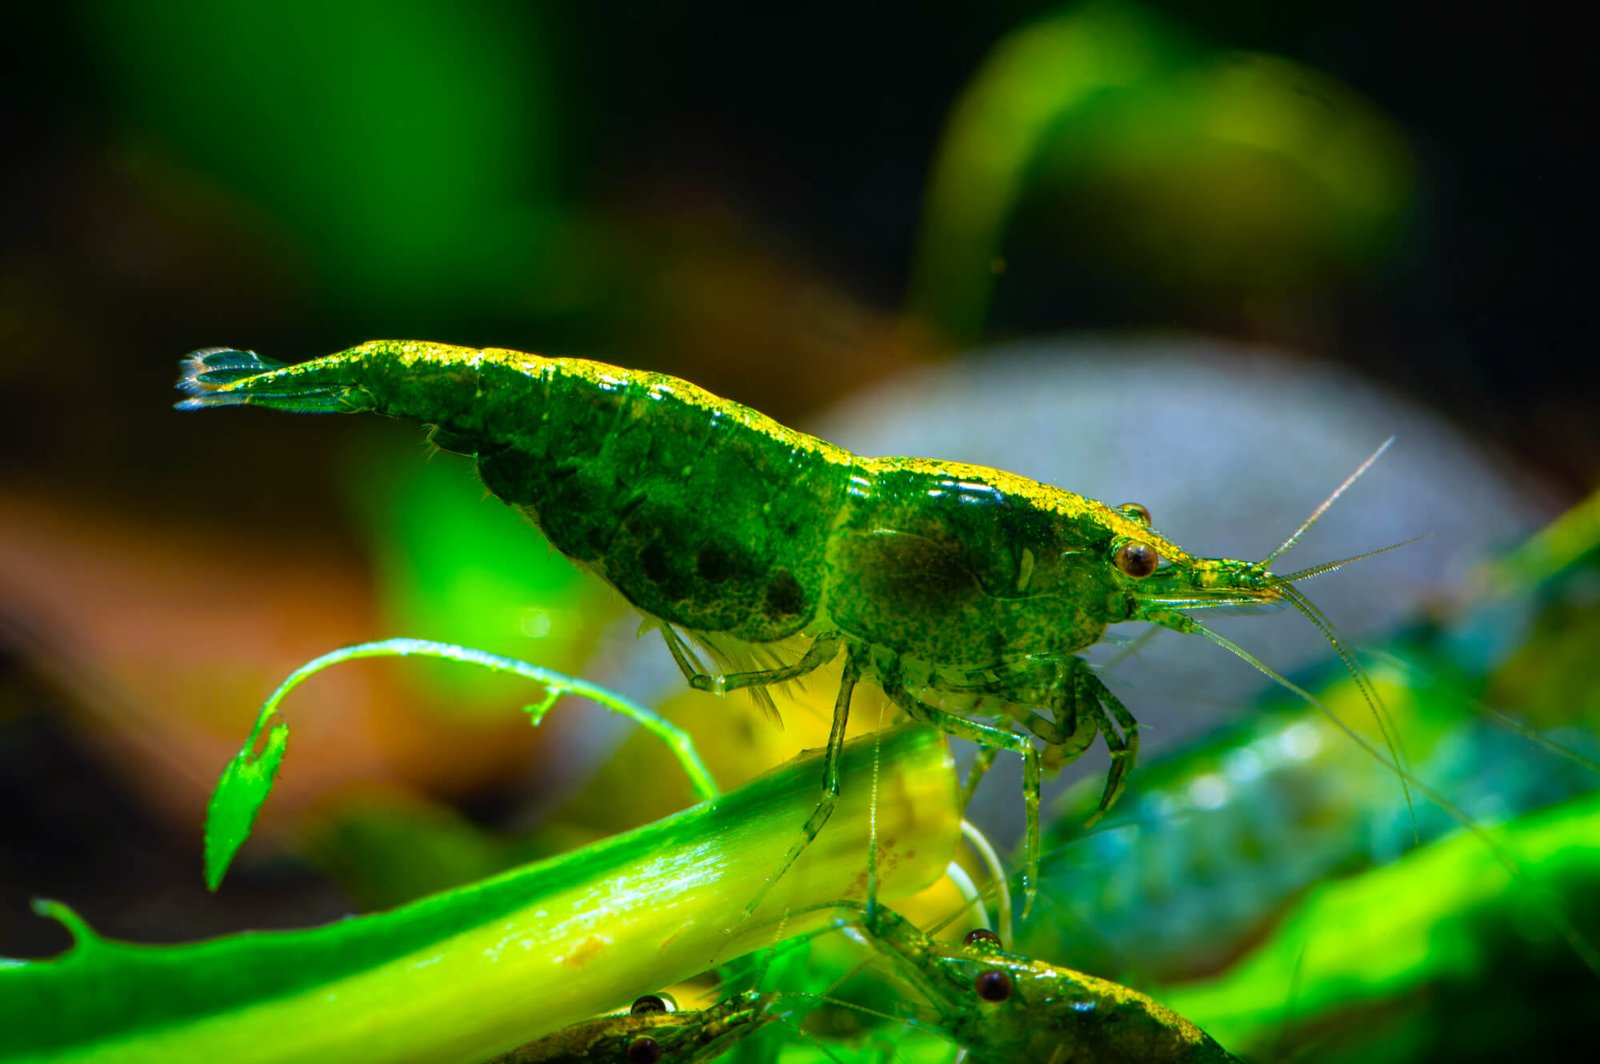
pixel 244 786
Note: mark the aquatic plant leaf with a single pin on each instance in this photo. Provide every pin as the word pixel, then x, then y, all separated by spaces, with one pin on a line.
pixel 244 785
pixel 470 972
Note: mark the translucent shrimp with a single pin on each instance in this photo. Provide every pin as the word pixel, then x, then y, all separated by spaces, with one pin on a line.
pixel 966 593
pixel 1002 1007
pixel 651 1032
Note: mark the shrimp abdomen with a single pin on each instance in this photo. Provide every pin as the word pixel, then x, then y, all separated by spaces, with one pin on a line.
pixel 701 512
pixel 697 511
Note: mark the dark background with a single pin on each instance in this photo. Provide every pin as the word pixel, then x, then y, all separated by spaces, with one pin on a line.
pixel 815 133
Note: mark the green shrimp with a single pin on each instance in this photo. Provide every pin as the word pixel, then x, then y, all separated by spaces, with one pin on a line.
pixel 1002 1007
pixel 965 593
pixel 651 1032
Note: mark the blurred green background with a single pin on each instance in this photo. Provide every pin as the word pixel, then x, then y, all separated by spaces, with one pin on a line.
pixel 784 207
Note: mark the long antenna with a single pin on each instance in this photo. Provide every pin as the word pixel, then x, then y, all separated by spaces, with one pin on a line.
pixel 1328 567
pixel 1316 514
pixel 1363 683
pixel 1580 946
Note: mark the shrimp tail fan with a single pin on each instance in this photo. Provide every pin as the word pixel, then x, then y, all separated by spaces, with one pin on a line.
pixel 228 376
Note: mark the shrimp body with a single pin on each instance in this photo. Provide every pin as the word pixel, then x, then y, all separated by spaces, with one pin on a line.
pixel 648 1034
pixel 965 592
pixel 1001 1007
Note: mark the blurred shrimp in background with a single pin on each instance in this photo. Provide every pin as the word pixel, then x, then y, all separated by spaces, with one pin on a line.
pixel 1364 215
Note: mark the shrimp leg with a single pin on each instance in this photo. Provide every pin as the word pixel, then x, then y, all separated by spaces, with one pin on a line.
pixel 980 768
pixel 854 662
pixel 989 736
pixel 1085 691
pixel 822 650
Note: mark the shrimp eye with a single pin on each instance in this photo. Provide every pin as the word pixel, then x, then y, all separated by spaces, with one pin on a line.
pixel 1136 512
pixel 644 1051
pixel 648 1004
pixel 1136 559
pixel 992 985
pixel 982 934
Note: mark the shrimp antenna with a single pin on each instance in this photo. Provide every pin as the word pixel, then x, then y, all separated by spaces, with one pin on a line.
pixel 853 1006
pixel 1132 647
pixel 1499 716
pixel 766 1002
pixel 1582 947
pixel 1298 600
pixel 1328 567
pixel 974 899
pixel 997 877
pixel 1316 514
pixel 805 1035
pixel 827 996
